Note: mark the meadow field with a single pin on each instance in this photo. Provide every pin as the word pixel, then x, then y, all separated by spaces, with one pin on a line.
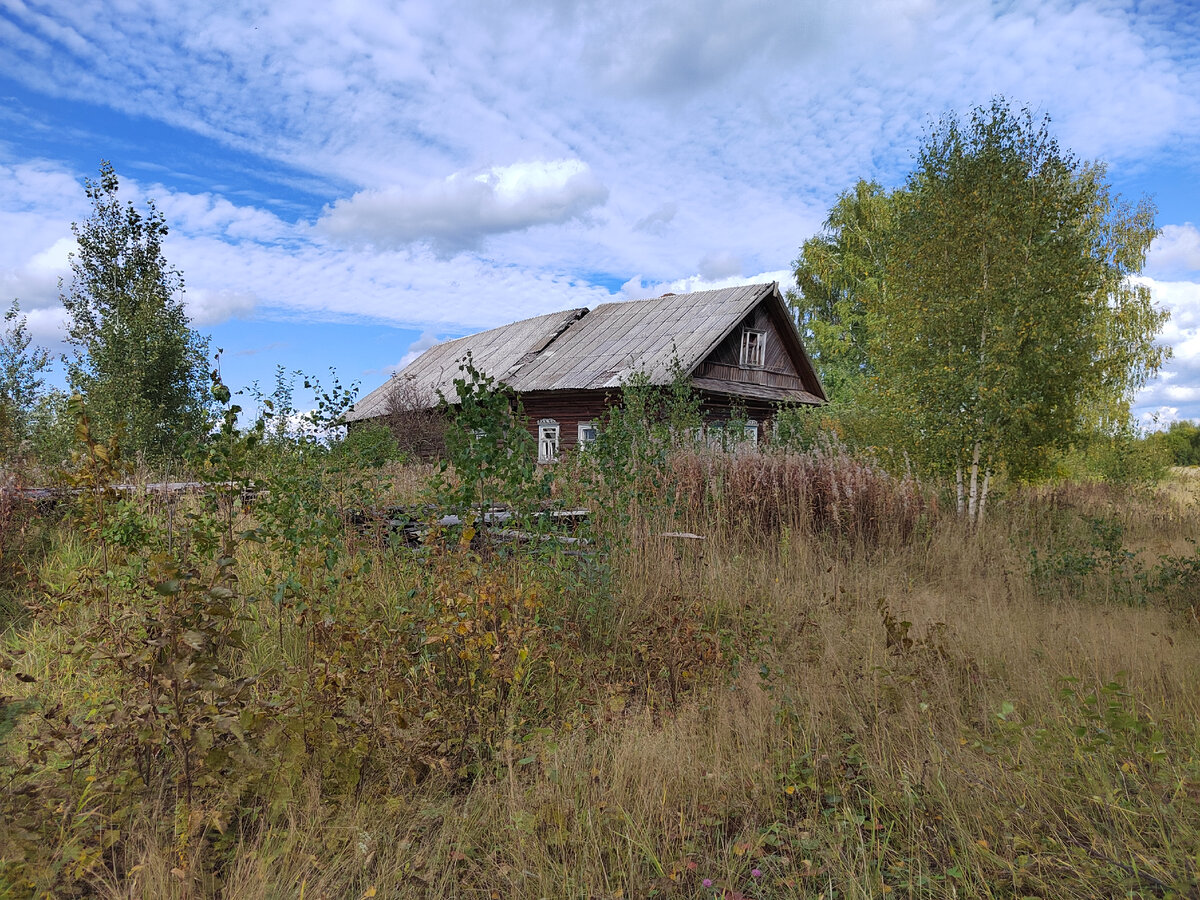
pixel 759 675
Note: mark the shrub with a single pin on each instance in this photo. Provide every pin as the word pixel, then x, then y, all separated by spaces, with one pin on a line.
pixel 419 429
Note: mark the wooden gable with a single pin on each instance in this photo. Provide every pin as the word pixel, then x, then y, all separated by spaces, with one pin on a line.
pixel 786 368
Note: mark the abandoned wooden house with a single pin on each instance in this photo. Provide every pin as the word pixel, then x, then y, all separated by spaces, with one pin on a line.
pixel 739 346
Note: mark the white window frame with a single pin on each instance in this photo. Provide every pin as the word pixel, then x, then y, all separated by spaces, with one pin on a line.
pixel 549 440
pixel 752 431
pixel 585 427
pixel 754 349
pixel 715 436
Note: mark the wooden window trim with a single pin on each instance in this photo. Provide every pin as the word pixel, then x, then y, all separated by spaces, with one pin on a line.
pixel 754 349
pixel 545 425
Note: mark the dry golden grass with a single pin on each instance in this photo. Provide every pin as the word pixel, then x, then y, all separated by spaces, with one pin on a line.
pixel 848 720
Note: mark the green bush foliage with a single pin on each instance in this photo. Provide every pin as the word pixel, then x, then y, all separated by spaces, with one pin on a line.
pixel 247 692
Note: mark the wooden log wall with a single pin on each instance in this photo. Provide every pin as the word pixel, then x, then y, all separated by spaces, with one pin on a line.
pixel 725 361
pixel 568 408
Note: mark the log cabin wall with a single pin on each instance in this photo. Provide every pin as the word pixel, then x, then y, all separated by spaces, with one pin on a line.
pixel 720 408
pixel 568 409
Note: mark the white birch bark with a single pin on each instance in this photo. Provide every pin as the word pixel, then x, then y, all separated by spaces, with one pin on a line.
pixel 973 495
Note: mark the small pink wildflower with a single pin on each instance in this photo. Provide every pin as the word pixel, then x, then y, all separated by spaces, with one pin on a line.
pixel 756 873
pixel 707 882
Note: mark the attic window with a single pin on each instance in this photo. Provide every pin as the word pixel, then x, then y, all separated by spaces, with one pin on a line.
pixel 754 347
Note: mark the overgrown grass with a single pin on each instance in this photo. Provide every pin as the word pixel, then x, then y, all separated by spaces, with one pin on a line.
pixel 1009 712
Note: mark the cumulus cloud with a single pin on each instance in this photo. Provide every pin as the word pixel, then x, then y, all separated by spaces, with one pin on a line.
pixel 459 211
pixel 416 348
pixel 1176 251
pixel 656 221
pixel 1178 385
pixel 34 281
pixel 207 307
pixel 651 47
pixel 638 288
pixel 720 264
pixel 47 327
pixel 209 214
pixel 725 125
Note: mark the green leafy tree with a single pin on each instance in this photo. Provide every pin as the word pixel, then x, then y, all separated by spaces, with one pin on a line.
pixel 839 276
pixel 22 366
pixel 136 359
pixel 1009 324
pixel 1180 442
pixel 489 448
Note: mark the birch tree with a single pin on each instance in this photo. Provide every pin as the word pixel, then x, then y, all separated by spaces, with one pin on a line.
pixel 137 361
pixel 1010 321
pixel 839 276
pixel 22 370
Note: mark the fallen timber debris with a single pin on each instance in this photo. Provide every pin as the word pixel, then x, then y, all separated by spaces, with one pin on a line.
pixel 411 526
pixel 54 494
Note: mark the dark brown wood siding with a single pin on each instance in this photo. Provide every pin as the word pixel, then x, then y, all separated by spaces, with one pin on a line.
pixel 720 408
pixel 725 361
pixel 568 409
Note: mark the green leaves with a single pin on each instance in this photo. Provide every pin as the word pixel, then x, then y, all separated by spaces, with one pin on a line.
pixel 840 275
pixel 21 381
pixel 135 357
pixel 490 447
pixel 988 302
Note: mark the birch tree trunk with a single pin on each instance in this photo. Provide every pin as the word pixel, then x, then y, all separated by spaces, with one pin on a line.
pixel 973 495
pixel 983 494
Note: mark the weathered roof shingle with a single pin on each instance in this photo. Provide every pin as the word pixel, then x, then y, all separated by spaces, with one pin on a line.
pixel 582 350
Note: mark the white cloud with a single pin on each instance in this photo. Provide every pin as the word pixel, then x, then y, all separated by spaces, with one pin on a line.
pixel 720 264
pixel 206 307
pixel 457 212
pixel 1176 251
pixel 715 134
pixel 206 213
pixel 1158 418
pixel 47 327
pixel 637 288
pixel 1178 385
pixel 416 348
pixel 657 219
pixel 34 281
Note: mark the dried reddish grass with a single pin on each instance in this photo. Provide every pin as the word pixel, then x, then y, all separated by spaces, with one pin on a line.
pixel 823 491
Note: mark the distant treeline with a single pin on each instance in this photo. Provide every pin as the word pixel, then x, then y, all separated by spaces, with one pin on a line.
pixel 1180 443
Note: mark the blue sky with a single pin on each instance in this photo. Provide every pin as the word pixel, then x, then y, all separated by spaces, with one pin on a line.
pixel 349 182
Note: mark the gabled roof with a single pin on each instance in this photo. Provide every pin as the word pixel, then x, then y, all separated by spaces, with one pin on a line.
pixel 603 348
pixel 618 340
pixel 495 352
